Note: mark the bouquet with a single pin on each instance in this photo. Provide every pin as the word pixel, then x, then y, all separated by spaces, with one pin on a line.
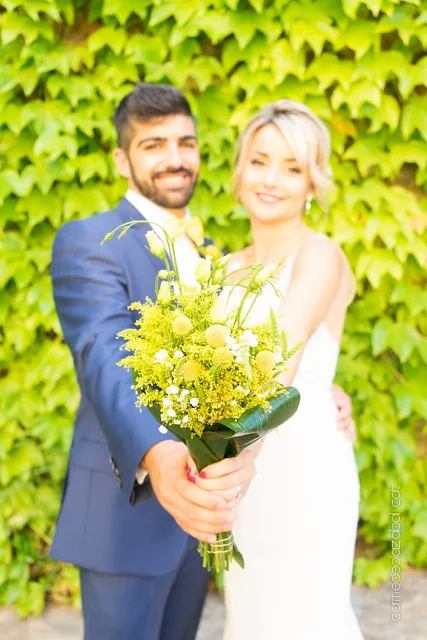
pixel 206 376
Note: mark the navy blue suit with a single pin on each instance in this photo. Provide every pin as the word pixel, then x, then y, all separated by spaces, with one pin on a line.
pixel 129 548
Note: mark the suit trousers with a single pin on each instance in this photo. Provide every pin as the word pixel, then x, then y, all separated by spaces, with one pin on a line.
pixel 125 607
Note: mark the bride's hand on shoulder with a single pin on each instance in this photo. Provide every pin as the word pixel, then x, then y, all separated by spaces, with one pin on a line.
pixel 230 478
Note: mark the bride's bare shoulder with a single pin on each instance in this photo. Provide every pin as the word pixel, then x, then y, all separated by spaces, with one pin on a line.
pixel 323 250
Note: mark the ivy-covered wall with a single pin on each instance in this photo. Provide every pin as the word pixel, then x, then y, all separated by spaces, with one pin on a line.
pixel 64 65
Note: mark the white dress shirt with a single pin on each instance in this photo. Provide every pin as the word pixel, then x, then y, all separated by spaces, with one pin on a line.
pixel 186 252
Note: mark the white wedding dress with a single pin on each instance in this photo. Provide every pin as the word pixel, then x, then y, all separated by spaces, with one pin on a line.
pixel 296 527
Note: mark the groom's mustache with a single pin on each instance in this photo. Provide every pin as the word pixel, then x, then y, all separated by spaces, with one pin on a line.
pixel 171 172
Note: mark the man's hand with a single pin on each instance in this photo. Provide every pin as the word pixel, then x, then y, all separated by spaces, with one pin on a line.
pixel 200 513
pixel 344 419
pixel 229 478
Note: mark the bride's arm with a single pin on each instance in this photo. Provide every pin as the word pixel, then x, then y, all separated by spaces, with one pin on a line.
pixel 315 281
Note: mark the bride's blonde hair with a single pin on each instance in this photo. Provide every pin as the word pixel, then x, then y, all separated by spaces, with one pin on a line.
pixel 306 135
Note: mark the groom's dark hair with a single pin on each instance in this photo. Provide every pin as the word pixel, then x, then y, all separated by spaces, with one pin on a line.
pixel 147 102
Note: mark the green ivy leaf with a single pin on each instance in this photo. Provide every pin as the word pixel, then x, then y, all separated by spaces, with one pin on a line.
pixel 360 93
pixel 122 9
pixel 414 116
pixel 141 48
pixel 110 37
pixel 15 25
pixel 359 36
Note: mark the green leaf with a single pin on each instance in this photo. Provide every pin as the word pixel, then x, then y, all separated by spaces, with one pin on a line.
pixel 359 93
pixel 360 36
pixel 376 264
pixel 15 25
pixel 256 420
pixel 122 9
pixel 141 48
pixel 110 37
pixel 329 69
pixel 380 335
pixel 414 116
pixel 312 33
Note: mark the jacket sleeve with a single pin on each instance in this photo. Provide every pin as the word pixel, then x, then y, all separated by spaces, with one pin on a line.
pixel 91 297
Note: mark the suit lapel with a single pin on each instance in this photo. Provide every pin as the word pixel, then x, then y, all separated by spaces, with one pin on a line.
pixel 127 213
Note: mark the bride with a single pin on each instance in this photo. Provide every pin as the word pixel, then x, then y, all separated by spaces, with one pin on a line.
pixel 296 527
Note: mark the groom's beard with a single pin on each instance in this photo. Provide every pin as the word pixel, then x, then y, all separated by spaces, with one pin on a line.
pixel 169 198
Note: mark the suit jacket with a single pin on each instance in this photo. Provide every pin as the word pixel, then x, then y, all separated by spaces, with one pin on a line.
pixel 107 521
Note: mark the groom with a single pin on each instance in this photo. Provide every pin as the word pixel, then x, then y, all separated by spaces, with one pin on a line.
pixel 141 576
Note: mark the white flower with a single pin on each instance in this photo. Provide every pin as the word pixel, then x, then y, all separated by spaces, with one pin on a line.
pixel 171 413
pixel 250 338
pixel 230 341
pixel 162 429
pixel 183 394
pixel 185 419
pixel 161 355
pixel 194 402
pixel 278 356
pixel 233 403
pixel 239 359
pixel 172 389
pixel 178 354
pixel 167 402
pixel 242 389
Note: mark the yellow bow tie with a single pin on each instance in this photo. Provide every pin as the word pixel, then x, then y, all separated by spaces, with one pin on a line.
pixel 192 227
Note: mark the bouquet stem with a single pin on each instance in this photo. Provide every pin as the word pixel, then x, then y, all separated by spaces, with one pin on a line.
pixel 218 556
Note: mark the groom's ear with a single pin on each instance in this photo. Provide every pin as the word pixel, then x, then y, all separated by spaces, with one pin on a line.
pixel 121 161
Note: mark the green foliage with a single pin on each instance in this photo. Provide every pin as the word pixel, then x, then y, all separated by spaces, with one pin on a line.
pixel 65 64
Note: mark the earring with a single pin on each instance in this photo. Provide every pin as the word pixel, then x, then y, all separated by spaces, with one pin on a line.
pixel 308 204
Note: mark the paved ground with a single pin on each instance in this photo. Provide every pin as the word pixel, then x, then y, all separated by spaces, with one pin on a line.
pixel 373 609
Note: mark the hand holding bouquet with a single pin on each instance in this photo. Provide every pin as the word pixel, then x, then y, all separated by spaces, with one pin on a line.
pixel 204 374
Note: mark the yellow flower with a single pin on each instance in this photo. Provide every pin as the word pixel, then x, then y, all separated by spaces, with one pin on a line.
pixel 223 355
pixel 265 361
pixel 182 325
pixel 203 270
pixel 155 245
pixel 192 370
pixel 164 295
pixel 216 335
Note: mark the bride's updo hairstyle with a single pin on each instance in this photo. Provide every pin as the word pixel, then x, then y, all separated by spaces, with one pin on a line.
pixel 305 134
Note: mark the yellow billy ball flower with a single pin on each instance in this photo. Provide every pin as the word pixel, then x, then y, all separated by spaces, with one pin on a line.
pixel 164 296
pixel 223 355
pixel 192 370
pixel 265 361
pixel 182 325
pixel 217 335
